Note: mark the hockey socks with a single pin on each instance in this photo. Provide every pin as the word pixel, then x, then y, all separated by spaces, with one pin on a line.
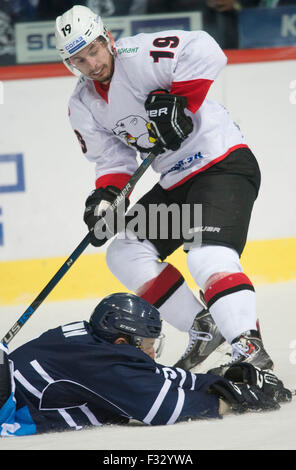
pixel 136 265
pixel 161 288
pixel 171 295
pixel 232 302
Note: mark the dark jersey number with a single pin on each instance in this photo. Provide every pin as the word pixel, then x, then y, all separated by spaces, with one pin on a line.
pixel 169 41
pixel 81 141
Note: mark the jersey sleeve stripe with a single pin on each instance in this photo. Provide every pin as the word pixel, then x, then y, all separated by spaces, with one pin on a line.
pixel 68 418
pixel 92 418
pixel 194 90
pixel 178 408
pixel 75 333
pixel 158 402
pixel 27 384
pixel 114 179
pixel 186 375
pixel 183 375
pixel 193 381
pixel 35 364
pixel 73 326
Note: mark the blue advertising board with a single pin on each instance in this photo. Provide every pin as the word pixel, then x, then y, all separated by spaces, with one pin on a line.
pixel 149 25
pixel 35 41
pixel 267 27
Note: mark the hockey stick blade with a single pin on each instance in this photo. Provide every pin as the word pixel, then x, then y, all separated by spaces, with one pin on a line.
pixel 79 249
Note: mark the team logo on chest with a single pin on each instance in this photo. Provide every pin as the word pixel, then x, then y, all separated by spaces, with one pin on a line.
pixel 135 131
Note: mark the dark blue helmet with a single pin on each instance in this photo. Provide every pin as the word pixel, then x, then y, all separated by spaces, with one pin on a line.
pixel 128 314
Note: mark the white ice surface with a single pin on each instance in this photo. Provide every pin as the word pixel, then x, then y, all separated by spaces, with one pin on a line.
pixel 269 430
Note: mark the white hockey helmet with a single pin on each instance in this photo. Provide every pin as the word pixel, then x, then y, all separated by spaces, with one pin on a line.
pixel 76 29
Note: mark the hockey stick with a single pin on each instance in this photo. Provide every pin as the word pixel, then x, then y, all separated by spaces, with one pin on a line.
pixel 80 248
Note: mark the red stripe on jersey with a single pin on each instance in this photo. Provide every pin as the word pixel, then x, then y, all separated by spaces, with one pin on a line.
pixel 216 160
pixel 113 179
pixel 102 89
pixel 194 90
pixel 226 284
pixel 159 287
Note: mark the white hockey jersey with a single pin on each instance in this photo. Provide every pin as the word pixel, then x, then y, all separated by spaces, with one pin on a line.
pixel 112 125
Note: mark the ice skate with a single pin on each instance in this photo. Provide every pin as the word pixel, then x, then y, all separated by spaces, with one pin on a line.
pixel 246 348
pixel 204 338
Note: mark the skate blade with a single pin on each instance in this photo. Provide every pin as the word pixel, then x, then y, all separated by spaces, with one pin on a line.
pixel 221 355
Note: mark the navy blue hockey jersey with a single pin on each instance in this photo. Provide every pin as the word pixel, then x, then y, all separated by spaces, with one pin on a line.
pixel 68 378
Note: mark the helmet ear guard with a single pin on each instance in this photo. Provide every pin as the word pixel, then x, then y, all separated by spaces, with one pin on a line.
pixel 76 29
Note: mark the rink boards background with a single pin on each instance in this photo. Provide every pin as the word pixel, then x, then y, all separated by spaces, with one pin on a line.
pixel 45 179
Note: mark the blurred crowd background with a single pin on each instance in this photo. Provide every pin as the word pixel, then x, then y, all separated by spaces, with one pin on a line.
pixel 220 17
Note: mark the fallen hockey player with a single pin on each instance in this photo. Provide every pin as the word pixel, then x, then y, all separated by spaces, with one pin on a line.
pixel 132 95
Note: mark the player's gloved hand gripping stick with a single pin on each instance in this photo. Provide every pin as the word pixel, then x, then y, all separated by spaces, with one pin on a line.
pixel 101 221
pixel 80 248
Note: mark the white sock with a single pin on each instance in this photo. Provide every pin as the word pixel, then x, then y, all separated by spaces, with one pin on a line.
pixel 229 293
pixel 235 313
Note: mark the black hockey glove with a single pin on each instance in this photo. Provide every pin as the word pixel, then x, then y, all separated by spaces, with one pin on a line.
pixel 243 397
pixel 169 123
pixel 103 224
pixel 268 383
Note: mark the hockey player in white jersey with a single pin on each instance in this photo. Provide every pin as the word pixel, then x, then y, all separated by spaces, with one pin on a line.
pixel 152 89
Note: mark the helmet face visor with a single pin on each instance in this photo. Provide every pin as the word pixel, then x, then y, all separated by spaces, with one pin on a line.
pixel 159 345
